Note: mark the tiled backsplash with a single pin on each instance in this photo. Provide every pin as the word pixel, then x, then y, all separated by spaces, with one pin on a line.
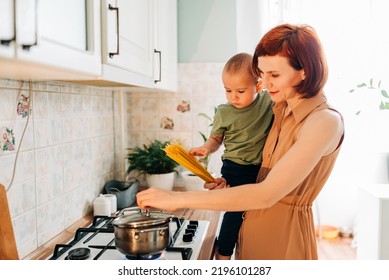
pixel 74 143
pixel 66 155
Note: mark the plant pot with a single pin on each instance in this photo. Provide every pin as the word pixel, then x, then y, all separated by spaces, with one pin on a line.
pixel 163 181
pixel 192 182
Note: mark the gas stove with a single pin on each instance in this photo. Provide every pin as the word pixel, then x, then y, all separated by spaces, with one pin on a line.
pixel 97 242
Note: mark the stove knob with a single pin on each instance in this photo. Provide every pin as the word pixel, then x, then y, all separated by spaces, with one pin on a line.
pixel 194 227
pixel 187 237
pixel 192 231
pixel 194 223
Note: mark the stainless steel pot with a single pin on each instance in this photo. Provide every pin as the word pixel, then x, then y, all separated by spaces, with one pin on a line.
pixel 142 233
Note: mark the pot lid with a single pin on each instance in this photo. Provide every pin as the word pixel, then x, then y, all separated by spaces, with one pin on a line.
pixel 140 219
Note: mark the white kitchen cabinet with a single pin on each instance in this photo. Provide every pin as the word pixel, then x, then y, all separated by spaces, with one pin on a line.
pixel 127 34
pixel 165 44
pixel 140 43
pixel 50 39
pixel 373 223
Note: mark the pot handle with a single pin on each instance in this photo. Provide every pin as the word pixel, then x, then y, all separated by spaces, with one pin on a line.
pixel 134 208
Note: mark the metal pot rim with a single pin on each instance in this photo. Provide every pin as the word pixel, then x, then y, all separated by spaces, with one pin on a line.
pixel 140 220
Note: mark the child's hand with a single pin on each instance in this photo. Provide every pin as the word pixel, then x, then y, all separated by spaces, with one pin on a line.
pixel 218 183
pixel 200 151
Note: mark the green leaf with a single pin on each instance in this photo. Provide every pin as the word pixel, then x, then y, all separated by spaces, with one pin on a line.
pixel 357 113
pixel 371 82
pixel 384 106
pixel 384 93
pixel 362 85
pixel 203 136
pixel 379 84
pixel 352 90
pixel 205 116
pixel 150 159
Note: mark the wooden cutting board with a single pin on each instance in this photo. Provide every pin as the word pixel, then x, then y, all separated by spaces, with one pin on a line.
pixel 8 250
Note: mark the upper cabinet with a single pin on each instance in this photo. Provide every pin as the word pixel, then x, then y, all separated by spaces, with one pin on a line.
pixel 134 43
pixel 50 39
pixel 140 43
pixel 165 44
pixel 127 37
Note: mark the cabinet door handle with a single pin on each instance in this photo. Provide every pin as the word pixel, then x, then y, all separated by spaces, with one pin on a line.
pixel 6 42
pixel 28 46
pixel 110 7
pixel 160 65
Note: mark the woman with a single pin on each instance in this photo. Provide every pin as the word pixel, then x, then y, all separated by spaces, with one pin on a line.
pixel 298 156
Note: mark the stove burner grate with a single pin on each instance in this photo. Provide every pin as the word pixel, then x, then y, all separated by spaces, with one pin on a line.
pixel 78 254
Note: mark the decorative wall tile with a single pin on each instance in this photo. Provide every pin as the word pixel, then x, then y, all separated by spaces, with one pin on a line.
pixel 7 139
pixel 167 123
pixel 183 106
pixel 23 107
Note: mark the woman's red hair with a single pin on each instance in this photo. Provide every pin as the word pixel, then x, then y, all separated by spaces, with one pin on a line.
pixel 302 47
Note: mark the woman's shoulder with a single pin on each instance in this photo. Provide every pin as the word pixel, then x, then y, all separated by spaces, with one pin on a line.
pixel 324 126
pixel 325 122
pixel 328 115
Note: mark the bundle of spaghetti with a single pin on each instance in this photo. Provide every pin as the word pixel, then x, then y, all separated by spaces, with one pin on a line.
pixel 177 153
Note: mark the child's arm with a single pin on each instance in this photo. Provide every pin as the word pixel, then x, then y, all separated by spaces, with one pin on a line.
pixel 210 146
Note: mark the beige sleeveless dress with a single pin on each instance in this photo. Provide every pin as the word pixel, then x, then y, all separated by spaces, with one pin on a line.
pixel 286 230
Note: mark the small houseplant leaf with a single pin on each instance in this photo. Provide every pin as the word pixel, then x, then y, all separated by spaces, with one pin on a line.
pixel 361 85
pixel 384 93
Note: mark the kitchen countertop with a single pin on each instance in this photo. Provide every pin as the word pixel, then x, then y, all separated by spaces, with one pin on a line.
pixel 206 252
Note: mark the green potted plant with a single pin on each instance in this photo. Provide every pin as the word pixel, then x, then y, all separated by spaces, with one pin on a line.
pixel 151 160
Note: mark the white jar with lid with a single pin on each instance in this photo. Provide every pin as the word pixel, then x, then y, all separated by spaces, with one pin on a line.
pixel 112 201
pixel 101 206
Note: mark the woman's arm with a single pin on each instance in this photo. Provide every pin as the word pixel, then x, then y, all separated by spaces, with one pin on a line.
pixel 318 137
